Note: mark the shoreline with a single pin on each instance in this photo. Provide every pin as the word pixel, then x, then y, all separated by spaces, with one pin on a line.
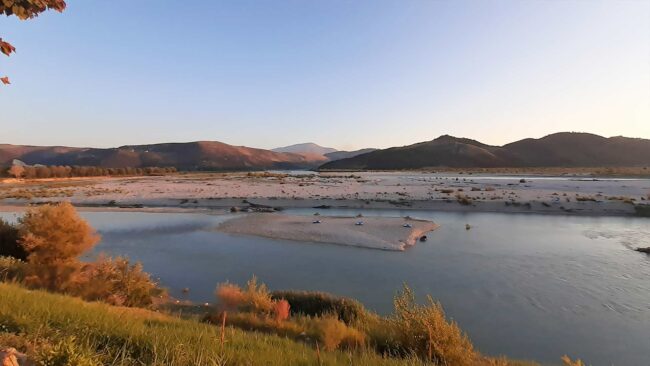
pixel 598 209
pixel 417 190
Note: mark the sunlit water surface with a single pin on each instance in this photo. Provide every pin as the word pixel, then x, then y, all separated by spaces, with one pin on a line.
pixel 524 285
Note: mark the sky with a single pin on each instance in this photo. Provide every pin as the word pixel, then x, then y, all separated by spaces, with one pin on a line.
pixel 345 74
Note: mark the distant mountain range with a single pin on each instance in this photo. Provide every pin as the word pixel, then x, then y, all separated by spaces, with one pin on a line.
pixel 317 153
pixel 200 155
pixel 565 149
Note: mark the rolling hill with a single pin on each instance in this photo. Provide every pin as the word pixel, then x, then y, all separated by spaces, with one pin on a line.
pixel 564 149
pixel 200 155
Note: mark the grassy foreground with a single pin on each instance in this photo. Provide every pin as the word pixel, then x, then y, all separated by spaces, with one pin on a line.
pixel 61 330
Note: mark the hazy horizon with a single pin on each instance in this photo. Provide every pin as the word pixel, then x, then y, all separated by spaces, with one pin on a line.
pixel 346 75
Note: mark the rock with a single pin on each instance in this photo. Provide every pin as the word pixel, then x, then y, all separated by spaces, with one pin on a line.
pixel 423 238
pixel 643 250
pixel 467 226
pixel 325 207
pixel 234 209
pixel 11 357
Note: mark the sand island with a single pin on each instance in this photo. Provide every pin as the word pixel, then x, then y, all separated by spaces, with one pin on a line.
pixel 387 233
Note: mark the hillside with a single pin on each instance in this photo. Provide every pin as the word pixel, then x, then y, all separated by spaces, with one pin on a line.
pixel 311 151
pixel 96 333
pixel 200 155
pixel 564 149
pixel 338 155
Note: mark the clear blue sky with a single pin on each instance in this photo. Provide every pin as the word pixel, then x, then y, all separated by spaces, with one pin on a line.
pixel 346 74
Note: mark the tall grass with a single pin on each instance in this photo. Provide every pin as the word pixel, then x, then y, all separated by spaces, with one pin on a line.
pixel 41 323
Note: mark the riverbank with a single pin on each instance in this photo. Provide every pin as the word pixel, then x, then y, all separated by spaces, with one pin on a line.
pixel 365 190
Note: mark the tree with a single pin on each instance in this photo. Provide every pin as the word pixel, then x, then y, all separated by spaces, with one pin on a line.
pixel 25 9
pixel 54 236
pixel 17 171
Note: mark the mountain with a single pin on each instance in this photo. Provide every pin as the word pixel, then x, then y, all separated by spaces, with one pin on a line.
pixel 564 149
pixel 338 155
pixel 199 155
pixel 308 148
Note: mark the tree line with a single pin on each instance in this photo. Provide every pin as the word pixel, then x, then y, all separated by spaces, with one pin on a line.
pixel 61 171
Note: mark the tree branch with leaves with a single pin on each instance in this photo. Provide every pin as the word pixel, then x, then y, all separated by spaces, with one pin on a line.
pixel 25 9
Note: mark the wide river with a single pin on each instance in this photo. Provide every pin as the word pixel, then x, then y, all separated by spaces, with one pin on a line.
pixel 524 285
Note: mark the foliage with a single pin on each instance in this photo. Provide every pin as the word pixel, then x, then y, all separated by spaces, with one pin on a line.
pixel 332 333
pixel 566 361
pixel 12 269
pixel 122 336
pixel 64 171
pixel 54 236
pixel 10 241
pixel 116 282
pixel 255 298
pixel 425 331
pixel 320 303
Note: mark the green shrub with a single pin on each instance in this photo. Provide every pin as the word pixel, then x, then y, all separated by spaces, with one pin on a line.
pixel 320 303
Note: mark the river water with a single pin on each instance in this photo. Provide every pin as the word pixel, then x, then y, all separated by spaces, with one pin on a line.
pixel 523 285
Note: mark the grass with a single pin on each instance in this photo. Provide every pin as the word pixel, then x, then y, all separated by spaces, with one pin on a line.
pixel 40 323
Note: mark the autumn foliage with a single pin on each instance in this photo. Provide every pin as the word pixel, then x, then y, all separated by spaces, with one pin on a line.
pixel 25 9
pixel 54 236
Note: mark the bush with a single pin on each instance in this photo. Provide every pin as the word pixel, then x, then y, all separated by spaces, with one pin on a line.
pixel 425 332
pixel 333 333
pixel 256 298
pixel 54 236
pixel 319 304
pixel 10 241
pixel 12 269
pixel 117 282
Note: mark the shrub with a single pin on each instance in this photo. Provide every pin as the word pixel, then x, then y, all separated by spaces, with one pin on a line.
pixel 566 361
pixel 319 304
pixel 281 310
pixel 10 241
pixel 12 269
pixel 54 236
pixel 255 298
pixel 332 333
pixel 423 330
pixel 229 296
pixel 117 282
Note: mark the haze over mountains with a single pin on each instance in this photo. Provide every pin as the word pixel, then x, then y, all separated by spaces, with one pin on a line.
pixel 556 150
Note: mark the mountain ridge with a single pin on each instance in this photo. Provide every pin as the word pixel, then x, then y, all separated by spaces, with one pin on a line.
pixel 564 149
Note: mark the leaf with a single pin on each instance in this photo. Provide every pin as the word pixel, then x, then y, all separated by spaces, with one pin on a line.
pixel 5 80
pixel 6 47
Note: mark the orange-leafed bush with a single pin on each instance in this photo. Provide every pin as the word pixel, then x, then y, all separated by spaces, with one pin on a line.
pixel 281 309
pixel 54 236
pixel 230 296
pixel 255 298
